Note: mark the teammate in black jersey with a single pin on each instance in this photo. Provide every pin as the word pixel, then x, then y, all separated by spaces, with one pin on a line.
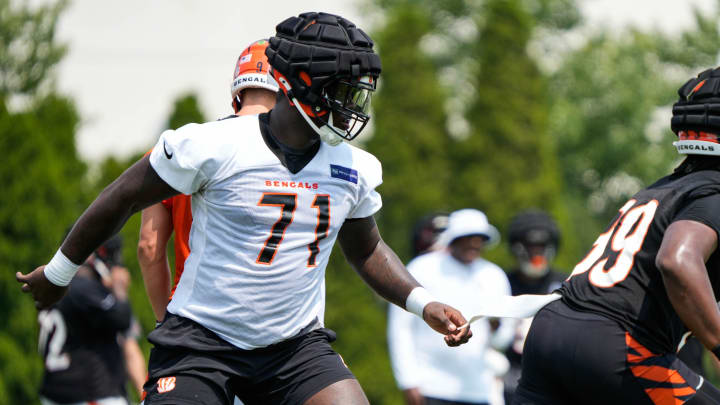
pixel 533 238
pixel 649 281
pixel 79 336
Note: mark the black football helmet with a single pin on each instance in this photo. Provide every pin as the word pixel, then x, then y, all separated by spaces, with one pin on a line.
pixel 327 68
pixel 534 238
pixel 696 115
pixel 426 232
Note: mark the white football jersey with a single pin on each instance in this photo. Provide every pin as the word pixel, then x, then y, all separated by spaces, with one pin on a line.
pixel 261 236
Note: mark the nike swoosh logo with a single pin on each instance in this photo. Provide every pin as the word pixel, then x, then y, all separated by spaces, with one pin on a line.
pixel 167 155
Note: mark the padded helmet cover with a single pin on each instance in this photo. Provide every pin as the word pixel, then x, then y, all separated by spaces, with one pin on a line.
pixel 315 49
pixel 698 108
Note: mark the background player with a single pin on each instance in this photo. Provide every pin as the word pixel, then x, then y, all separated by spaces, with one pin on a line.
pixel 647 283
pixel 80 340
pixel 426 232
pixel 269 200
pixel 533 239
pixel 428 373
pixel 253 91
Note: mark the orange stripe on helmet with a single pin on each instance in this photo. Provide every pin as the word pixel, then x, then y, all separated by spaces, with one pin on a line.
pixel 698 136
pixel 696 88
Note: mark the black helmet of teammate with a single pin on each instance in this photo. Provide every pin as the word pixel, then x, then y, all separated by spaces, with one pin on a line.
pixel 426 232
pixel 110 252
pixel 327 68
pixel 696 115
pixel 534 238
pixel 108 255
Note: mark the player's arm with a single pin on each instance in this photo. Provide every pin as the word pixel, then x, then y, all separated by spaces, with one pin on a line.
pixel 382 270
pixel 685 249
pixel 138 187
pixel 135 363
pixel 155 231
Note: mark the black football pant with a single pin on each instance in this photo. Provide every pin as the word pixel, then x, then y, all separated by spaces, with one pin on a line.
pixel 573 357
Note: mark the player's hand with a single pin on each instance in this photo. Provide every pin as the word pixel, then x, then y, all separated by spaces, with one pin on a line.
pixel 413 397
pixel 43 291
pixel 446 320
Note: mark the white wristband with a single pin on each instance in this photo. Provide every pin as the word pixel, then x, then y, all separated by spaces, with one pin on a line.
pixel 60 270
pixel 416 301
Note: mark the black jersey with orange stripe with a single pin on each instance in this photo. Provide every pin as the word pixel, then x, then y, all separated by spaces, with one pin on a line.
pixel 619 279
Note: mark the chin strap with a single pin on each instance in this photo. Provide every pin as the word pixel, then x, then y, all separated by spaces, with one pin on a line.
pixel 327 135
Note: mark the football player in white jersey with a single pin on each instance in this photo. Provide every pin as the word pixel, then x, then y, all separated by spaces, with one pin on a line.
pixel 253 91
pixel 270 194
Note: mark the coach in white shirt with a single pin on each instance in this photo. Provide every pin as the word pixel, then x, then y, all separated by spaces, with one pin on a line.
pixel 426 371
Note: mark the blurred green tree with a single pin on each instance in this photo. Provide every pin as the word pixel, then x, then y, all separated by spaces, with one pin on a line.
pixel 186 109
pixel 28 50
pixel 610 114
pixel 410 136
pixel 42 176
pixel 508 161
pixel 492 149
pixel 43 179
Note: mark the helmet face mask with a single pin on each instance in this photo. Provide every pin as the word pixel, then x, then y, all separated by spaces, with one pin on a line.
pixel 534 239
pixel 349 106
pixel 533 259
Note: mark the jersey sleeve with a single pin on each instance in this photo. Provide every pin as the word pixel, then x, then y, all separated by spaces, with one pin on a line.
pixel 187 158
pixel 703 210
pixel 370 201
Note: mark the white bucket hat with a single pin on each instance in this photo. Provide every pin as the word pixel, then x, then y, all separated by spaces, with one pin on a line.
pixel 468 222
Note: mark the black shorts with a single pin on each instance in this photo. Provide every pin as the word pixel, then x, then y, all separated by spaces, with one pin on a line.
pixel 573 357
pixel 211 371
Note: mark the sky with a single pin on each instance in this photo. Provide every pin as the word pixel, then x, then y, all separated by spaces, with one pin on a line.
pixel 128 61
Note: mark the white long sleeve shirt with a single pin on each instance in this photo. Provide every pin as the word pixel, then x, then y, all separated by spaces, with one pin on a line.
pixel 421 359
